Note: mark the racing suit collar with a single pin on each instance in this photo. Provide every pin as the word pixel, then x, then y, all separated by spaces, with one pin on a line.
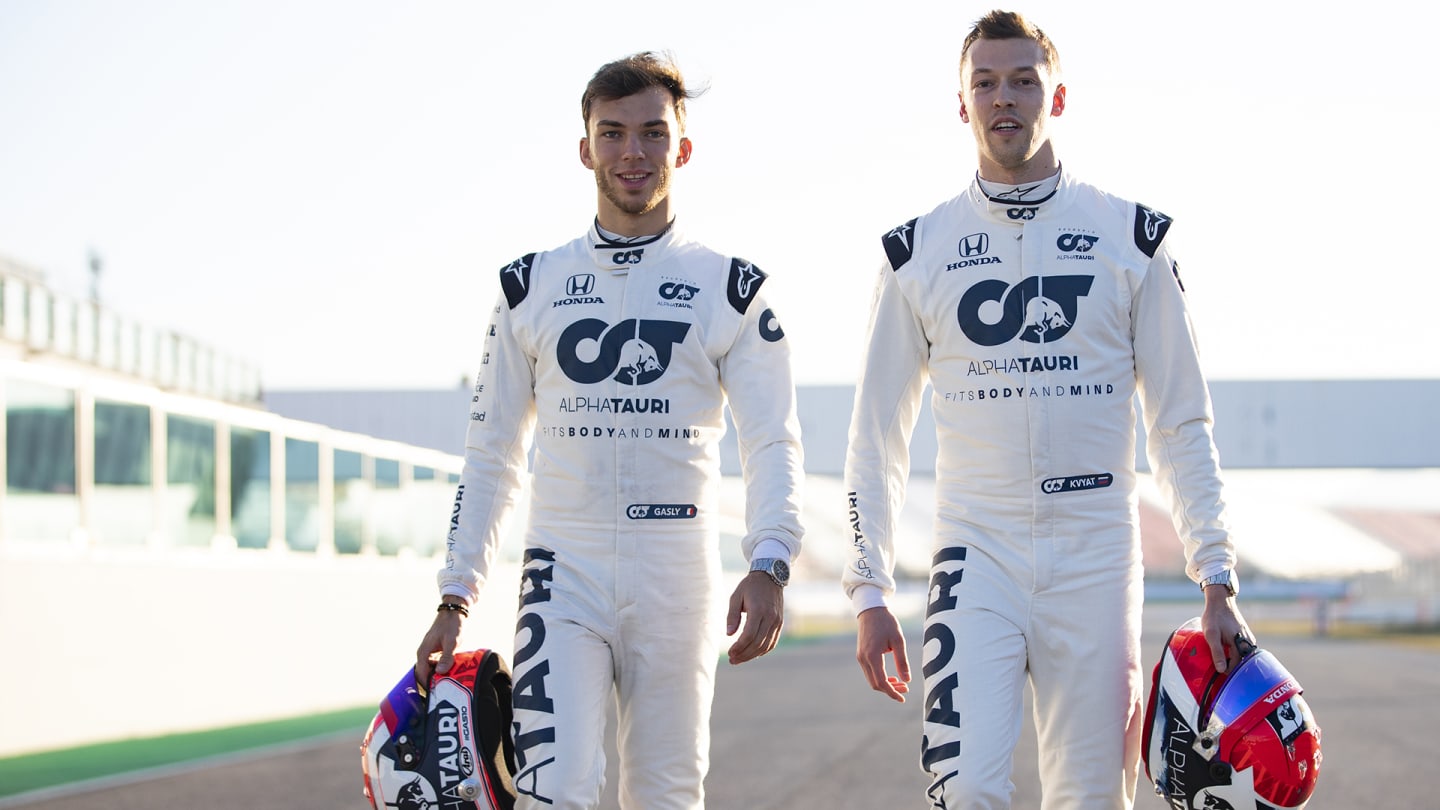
pixel 1009 203
pixel 624 253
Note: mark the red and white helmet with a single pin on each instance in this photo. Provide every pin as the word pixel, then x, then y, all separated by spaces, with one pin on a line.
pixel 1243 740
pixel 448 746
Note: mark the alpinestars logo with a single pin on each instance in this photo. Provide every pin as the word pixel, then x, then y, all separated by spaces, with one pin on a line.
pixel 515 280
pixel 519 270
pixel 746 276
pixel 1154 224
pixel 1016 194
pixel 900 244
pixel 1150 229
pixel 1024 312
pixel 633 352
pixel 743 284
pixel 902 234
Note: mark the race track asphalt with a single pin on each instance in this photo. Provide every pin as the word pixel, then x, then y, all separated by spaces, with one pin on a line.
pixel 799 729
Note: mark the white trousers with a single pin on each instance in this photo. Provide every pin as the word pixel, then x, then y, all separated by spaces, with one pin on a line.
pixel 1062 613
pixel 596 627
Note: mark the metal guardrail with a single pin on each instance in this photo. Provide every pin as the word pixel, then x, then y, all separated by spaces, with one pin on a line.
pixel 1320 594
pixel 40 321
pixel 1255 590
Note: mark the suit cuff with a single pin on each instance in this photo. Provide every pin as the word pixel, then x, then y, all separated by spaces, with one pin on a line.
pixel 770 548
pixel 865 597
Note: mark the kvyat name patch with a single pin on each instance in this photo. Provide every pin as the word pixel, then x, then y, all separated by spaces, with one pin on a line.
pixel 661 511
pixel 1077 483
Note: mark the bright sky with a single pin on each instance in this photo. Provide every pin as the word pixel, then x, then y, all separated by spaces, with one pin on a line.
pixel 327 189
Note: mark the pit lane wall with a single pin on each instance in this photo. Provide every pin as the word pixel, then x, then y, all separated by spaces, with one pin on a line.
pixel 171 562
pixel 104 645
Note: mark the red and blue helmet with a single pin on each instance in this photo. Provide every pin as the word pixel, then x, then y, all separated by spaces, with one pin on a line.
pixel 447 745
pixel 1241 740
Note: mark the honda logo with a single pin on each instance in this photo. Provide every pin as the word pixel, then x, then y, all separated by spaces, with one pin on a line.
pixel 580 284
pixel 976 244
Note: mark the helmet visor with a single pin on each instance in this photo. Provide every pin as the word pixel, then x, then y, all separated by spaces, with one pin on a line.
pixel 1260 678
pixel 403 709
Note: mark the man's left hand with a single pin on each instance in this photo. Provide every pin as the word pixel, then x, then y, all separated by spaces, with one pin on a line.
pixel 763 603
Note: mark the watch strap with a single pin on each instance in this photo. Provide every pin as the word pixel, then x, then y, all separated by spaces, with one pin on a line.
pixel 1226 578
pixel 777 569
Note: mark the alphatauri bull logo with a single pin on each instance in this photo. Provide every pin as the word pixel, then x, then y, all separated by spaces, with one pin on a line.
pixel 636 358
pixel 632 352
pixel 1043 315
pixel 1037 310
pixel 414 795
pixel 1213 802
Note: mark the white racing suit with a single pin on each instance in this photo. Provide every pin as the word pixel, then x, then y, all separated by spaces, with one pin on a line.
pixel 1035 323
pixel 618 359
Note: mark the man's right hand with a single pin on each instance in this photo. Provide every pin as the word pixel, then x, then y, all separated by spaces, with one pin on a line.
pixel 442 637
pixel 879 634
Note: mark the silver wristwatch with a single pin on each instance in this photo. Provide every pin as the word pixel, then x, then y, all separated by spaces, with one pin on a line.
pixel 774 567
pixel 1226 578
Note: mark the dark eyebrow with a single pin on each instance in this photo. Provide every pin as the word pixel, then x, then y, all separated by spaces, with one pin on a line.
pixel 605 122
pixel 1021 69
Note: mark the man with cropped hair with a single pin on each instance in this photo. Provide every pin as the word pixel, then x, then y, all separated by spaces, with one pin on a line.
pixel 1036 306
pixel 616 354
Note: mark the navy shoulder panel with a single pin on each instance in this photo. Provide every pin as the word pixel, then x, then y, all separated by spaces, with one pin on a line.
pixel 515 279
pixel 1150 229
pixel 743 284
pixel 900 244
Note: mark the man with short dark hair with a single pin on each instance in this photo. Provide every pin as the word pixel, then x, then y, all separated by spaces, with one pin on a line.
pixel 617 354
pixel 1036 306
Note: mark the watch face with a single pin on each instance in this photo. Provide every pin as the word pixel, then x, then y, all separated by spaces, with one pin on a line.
pixel 781 570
